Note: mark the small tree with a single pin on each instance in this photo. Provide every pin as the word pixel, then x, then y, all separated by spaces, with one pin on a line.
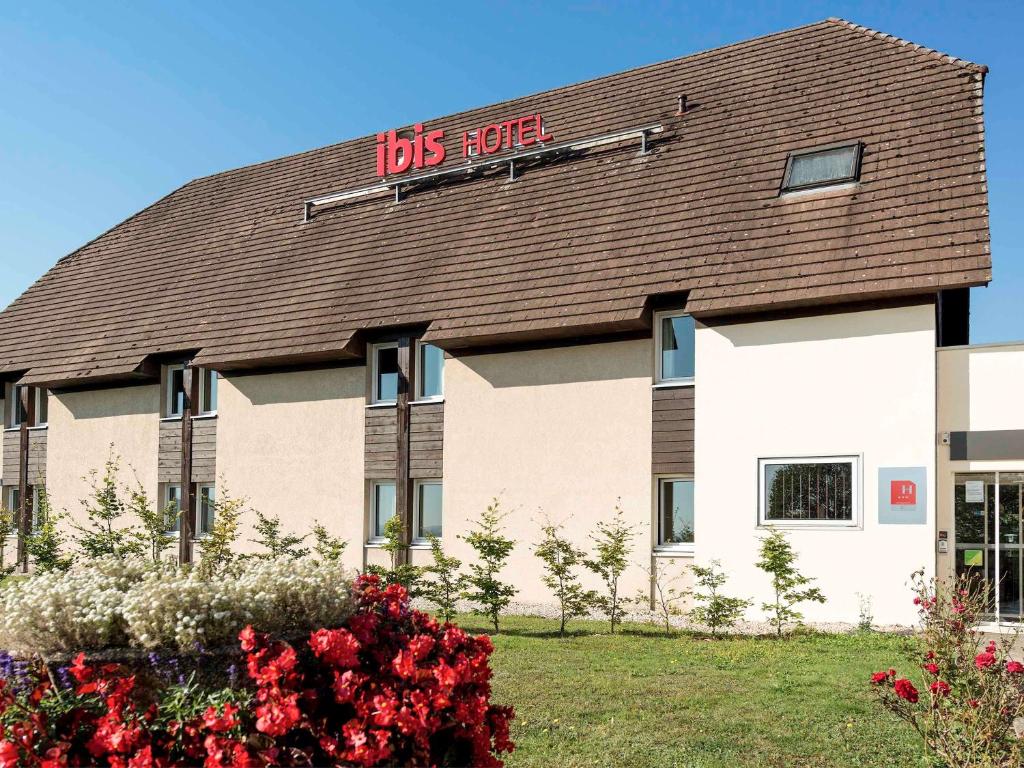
pixel 778 560
pixel 45 542
pixel 275 541
pixel 217 555
pixel 444 582
pixel 665 596
pixel 561 561
pixel 718 612
pixel 490 594
pixel 156 523
pixel 406 574
pixel 103 510
pixel 328 548
pixel 611 542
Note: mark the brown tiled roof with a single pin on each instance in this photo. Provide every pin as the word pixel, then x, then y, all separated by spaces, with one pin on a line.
pixel 225 265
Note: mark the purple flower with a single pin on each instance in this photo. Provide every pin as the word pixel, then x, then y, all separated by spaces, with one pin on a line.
pixel 20 678
pixel 233 676
pixel 64 678
pixel 6 665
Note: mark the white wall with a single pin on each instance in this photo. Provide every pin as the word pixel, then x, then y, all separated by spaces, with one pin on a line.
pixel 292 445
pixel 564 431
pixel 857 383
pixel 83 426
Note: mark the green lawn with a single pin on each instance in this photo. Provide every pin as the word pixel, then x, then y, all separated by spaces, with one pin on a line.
pixel 642 699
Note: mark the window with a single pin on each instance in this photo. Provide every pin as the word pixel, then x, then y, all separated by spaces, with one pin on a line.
pixel 14 503
pixel 174 387
pixel 427 521
pixel 172 507
pixel 674 340
pixel 675 513
pixel 431 372
pixel 382 508
pixel 174 384
pixel 15 410
pixel 207 510
pixel 42 412
pixel 809 491
pixel 385 373
pixel 822 167
pixel 208 391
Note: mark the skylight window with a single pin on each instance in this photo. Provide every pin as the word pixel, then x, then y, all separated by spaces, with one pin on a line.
pixel 822 167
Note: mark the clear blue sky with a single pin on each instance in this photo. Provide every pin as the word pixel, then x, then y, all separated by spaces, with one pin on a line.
pixel 108 106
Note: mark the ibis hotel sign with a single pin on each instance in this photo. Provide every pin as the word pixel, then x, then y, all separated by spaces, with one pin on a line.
pixel 400 151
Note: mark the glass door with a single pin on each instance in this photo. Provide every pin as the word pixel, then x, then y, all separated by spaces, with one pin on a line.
pixel 988 543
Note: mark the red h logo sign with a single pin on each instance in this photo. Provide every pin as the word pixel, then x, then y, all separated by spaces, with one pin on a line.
pixel 902 493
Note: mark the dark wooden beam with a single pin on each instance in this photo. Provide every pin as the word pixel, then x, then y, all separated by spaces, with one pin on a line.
pixel 187 505
pixel 28 405
pixel 403 482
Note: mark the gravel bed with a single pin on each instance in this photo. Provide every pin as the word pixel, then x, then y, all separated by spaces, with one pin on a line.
pixel 633 615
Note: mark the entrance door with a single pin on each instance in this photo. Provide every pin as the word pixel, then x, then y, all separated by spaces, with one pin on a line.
pixel 988 544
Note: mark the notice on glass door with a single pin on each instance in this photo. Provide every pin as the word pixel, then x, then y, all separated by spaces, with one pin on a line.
pixel 974 491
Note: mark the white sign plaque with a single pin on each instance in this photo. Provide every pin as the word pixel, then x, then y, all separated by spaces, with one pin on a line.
pixel 974 491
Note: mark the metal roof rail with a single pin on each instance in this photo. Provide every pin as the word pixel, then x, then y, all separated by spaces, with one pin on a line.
pixel 472 166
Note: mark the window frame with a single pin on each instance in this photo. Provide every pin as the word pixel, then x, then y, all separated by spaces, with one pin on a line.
pixel 165 498
pixel 420 354
pixel 659 378
pixel 42 404
pixel 12 491
pixel 858 147
pixel 676 547
pixel 200 487
pixel 856 499
pixel 372 537
pixel 374 367
pixel 13 405
pixel 417 539
pixel 168 369
pixel 214 377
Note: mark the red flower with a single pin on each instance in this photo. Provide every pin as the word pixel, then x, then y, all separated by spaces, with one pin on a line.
pixel 337 647
pixel 984 660
pixel 277 717
pixel 1014 667
pixel 931 668
pixel 9 754
pixel 879 678
pixel 939 688
pixel 906 690
pixel 79 670
pixel 220 723
pixel 249 639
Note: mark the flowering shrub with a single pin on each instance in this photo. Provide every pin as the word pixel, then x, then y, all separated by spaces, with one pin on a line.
pixel 176 608
pixel 57 611
pixel 112 602
pixel 393 687
pixel 390 687
pixel 968 692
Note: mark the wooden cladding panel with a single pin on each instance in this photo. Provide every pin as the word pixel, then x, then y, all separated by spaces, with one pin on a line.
pixel 381 451
pixel 12 446
pixel 672 434
pixel 37 457
pixel 204 451
pixel 426 436
pixel 426 433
